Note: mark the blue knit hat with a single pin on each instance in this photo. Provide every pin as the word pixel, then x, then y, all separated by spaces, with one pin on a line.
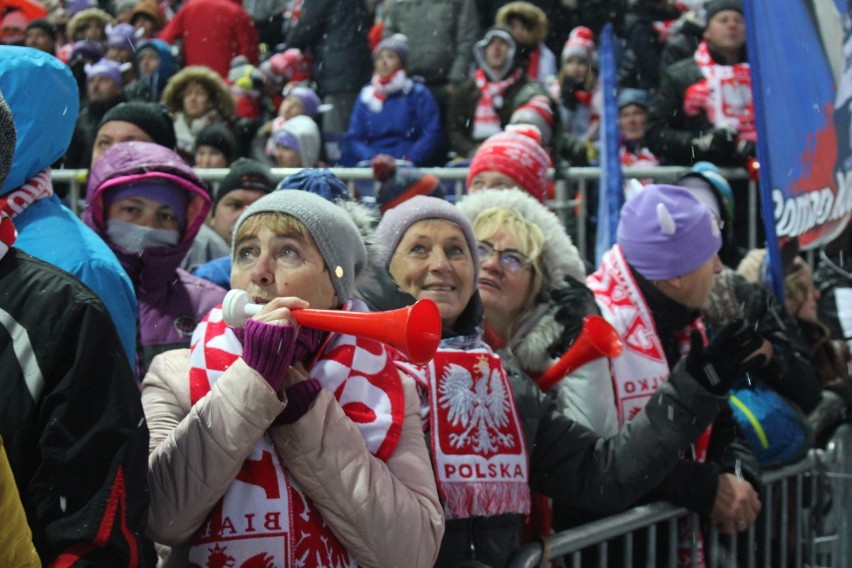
pixel 319 182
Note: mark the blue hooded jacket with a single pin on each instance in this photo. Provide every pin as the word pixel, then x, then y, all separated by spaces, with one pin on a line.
pixel 157 82
pixel 43 96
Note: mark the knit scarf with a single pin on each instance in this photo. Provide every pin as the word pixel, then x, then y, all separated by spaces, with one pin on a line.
pixel 729 101
pixel 14 202
pixel 478 448
pixel 636 155
pixel 642 367
pixel 380 88
pixel 486 121
pixel 264 515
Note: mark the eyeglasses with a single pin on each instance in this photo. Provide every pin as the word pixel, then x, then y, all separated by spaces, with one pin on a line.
pixel 510 260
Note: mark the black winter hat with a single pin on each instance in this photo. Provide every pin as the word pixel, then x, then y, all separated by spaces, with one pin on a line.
pixel 713 7
pixel 153 118
pixel 220 137
pixel 48 28
pixel 245 174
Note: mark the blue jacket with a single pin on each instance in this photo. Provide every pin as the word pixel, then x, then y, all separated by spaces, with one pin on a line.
pixel 47 229
pixel 408 127
pixel 217 271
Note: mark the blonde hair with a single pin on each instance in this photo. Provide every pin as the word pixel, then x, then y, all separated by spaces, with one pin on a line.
pixel 528 235
pixel 278 223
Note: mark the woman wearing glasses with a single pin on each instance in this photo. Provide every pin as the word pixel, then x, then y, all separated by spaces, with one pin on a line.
pixel 531 285
pixel 493 435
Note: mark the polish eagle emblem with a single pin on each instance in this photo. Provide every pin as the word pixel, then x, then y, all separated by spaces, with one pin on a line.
pixel 480 407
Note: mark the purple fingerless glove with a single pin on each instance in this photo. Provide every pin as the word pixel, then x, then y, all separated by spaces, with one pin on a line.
pixel 299 399
pixel 269 350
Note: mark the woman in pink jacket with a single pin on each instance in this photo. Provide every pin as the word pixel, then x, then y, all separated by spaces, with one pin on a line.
pixel 283 445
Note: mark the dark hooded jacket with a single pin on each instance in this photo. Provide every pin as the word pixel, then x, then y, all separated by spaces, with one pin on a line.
pixel 462 109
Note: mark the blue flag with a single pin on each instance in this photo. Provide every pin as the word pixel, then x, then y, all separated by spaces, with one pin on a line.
pixel 801 74
pixel 611 191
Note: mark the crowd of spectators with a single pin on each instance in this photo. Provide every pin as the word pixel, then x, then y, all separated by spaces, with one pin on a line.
pixel 145 418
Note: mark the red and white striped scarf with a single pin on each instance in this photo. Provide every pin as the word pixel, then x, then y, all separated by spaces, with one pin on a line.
pixel 642 367
pixel 11 205
pixel 729 101
pixel 486 121
pixel 380 88
pixel 264 515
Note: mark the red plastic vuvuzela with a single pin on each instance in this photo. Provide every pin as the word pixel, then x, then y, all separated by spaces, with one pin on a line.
pixel 414 330
pixel 597 339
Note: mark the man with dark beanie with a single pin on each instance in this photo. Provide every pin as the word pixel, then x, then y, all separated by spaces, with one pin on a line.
pixel 134 122
pixel 248 181
pixel 41 34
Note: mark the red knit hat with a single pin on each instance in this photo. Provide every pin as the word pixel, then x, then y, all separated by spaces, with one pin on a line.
pixel 516 155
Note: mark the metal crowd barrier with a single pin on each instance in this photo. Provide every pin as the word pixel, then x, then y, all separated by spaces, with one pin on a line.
pixel 572 187
pixel 805 521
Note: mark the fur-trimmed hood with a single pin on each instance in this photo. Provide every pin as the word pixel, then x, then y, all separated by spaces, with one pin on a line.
pixel 78 20
pixel 221 97
pixel 559 256
pixel 539 330
pixel 529 13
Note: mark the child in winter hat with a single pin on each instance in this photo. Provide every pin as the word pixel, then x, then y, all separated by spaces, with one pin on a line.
pixel 580 44
pixel 299 100
pixel 301 135
pixel 516 156
pixel 398 44
pixel 665 232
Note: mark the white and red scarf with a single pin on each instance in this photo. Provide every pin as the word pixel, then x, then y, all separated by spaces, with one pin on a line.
pixel 724 95
pixel 640 157
pixel 478 447
pixel 264 516
pixel 486 121
pixel 380 88
pixel 14 202
pixel 642 367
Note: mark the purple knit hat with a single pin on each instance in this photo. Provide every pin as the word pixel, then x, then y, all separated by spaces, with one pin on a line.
pixel 121 36
pixel 395 222
pixel 665 232
pixel 310 101
pixel 105 68
pixel 167 193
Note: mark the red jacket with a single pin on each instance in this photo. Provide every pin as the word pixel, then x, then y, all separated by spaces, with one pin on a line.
pixel 213 33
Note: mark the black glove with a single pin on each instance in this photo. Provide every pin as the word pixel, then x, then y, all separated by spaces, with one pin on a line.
pixel 726 358
pixel 568 93
pixel 717 142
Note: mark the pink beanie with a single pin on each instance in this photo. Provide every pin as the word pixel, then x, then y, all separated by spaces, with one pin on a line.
pixel 515 155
